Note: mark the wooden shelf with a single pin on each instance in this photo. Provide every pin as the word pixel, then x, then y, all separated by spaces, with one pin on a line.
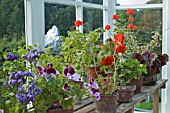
pixel 88 105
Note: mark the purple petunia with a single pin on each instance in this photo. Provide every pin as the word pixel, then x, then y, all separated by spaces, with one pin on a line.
pixel 94 91
pixel 47 71
pixel 71 74
pixel 66 87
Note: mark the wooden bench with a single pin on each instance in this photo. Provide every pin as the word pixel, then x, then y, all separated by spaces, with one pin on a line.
pixel 88 106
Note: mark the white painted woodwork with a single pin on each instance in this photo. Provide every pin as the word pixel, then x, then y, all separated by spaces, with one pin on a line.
pixel 166 49
pixel 142 6
pixel 79 15
pixel 34 22
pixel 35 27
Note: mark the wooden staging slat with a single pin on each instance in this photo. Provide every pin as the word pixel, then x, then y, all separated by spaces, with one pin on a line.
pixel 88 106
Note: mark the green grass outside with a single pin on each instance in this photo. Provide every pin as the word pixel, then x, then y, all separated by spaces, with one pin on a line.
pixel 144 105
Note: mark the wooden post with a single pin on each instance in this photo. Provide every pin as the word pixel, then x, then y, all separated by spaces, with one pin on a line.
pixel 156 101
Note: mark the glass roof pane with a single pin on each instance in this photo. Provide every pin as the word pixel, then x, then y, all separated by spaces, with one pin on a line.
pixel 135 2
pixel 147 21
pixel 94 1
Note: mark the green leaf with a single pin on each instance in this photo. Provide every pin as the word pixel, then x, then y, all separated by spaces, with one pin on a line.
pixel 3 80
pixel 59 97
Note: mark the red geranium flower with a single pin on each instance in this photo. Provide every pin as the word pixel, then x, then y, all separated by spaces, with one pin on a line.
pixel 131 19
pixel 119 38
pixel 107 61
pixel 107 27
pixel 110 39
pixel 131 26
pixel 121 49
pixel 78 23
pixel 130 12
pixel 116 17
pixel 134 28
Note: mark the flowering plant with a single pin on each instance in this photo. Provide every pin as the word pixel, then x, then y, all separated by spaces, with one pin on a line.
pixel 115 57
pixel 153 61
pixel 42 84
pixel 79 48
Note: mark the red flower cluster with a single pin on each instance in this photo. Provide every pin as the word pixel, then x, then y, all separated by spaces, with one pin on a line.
pixel 131 19
pixel 130 12
pixel 107 27
pixel 78 23
pixel 131 26
pixel 108 61
pixel 119 39
pixel 116 17
pixel 120 49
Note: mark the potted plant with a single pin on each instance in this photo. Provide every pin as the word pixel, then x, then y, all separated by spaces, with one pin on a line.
pixel 14 78
pixel 78 49
pixel 129 70
pixel 153 60
pixel 39 84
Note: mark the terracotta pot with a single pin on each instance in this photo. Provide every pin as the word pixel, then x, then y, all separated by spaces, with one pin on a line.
pixel 94 71
pixel 126 93
pixel 107 104
pixel 60 111
pixel 149 80
pixel 138 83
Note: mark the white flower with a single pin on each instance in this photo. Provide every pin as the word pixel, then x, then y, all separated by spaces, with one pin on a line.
pixel 79 54
pixel 120 54
pixel 87 39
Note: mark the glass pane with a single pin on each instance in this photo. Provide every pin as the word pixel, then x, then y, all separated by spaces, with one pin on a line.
pixel 58 20
pixel 147 21
pixel 12 27
pixel 94 1
pixel 92 18
pixel 133 2
pixel 62 16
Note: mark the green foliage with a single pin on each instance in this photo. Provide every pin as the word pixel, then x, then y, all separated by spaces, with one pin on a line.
pixel 80 49
pixel 129 69
pixel 52 88
pixel 145 105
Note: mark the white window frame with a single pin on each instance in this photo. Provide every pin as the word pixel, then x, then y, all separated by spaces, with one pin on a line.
pixel 165 6
pixel 35 27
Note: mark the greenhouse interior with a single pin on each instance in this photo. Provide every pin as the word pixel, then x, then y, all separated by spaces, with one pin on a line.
pixel 84 56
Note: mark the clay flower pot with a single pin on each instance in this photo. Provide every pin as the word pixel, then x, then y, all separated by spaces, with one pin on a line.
pixel 149 80
pixel 57 110
pixel 94 71
pixel 107 103
pixel 126 93
pixel 138 83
